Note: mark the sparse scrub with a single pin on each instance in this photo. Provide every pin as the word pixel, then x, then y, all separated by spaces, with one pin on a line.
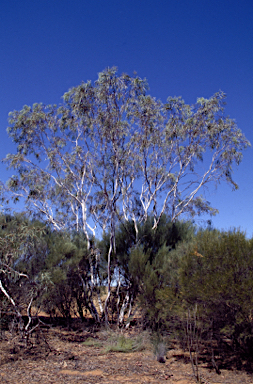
pixel 119 342
pixel 91 342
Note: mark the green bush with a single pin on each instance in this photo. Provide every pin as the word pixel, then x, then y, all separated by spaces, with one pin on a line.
pixel 217 274
pixel 147 264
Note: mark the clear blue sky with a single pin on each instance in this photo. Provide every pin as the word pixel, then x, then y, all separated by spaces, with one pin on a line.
pixel 187 48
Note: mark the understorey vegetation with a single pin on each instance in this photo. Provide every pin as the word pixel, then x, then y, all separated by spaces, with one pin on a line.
pixel 190 284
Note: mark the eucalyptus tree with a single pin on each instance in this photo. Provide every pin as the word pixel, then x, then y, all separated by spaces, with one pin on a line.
pixel 111 152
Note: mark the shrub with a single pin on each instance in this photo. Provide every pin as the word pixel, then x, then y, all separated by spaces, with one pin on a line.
pixel 217 274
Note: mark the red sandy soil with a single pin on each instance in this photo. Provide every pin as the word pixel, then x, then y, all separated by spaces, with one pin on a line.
pixel 60 356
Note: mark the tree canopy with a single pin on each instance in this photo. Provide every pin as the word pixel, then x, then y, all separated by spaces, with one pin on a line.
pixel 112 151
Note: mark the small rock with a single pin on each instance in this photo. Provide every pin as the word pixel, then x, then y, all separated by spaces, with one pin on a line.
pixel 161 359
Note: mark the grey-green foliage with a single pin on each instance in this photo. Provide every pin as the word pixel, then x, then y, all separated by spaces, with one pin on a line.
pixel 111 150
pixel 20 240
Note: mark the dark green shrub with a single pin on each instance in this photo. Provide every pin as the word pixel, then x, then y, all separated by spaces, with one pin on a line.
pixel 217 274
pixel 147 265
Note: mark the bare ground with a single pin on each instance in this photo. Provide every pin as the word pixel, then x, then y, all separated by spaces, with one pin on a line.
pixel 63 357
